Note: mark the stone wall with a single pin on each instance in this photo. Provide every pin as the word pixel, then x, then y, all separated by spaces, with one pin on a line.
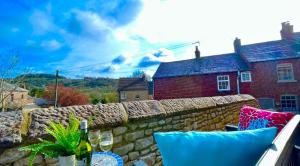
pixel 132 123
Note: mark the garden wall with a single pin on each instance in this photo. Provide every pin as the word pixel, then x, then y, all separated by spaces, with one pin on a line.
pixel 132 124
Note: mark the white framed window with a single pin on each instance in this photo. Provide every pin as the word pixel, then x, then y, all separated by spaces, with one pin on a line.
pixel 123 95
pixel 289 103
pixel 285 72
pixel 223 83
pixel 246 76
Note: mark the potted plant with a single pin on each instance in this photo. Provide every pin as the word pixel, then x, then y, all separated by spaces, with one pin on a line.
pixel 64 146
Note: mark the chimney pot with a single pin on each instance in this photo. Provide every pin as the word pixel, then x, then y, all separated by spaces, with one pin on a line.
pixel 197 53
pixel 287 31
pixel 237 45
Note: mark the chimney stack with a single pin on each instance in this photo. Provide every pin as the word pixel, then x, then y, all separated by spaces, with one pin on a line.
pixel 237 45
pixel 287 31
pixel 197 53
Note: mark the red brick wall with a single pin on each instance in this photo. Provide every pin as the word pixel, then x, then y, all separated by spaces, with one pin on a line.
pixel 192 86
pixel 264 80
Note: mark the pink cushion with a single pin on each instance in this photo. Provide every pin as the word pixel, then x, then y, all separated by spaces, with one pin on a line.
pixel 253 118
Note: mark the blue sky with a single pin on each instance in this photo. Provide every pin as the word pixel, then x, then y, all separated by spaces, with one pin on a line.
pixel 113 38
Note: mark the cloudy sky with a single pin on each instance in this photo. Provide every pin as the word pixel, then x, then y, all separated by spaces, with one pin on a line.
pixel 112 38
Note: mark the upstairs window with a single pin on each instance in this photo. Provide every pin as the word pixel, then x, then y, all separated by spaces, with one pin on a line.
pixel 123 95
pixel 223 83
pixel 285 72
pixel 246 76
pixel 289 103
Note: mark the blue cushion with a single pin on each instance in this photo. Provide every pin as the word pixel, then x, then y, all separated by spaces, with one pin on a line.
pixel 214 148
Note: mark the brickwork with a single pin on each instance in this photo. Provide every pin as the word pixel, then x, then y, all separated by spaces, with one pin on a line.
pixel 192 86
pixel 265 81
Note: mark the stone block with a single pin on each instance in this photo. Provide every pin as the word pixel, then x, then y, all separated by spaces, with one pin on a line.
pixel 152 124
pixel 130 137
pixel 118 139
pixel 149 159
pixel 143 125
pixel 144 152
pixel 11 155
pixel 133 155
pixel 148 132
pixel 51 161
pixel 143 143
pixel 24 161
pixel 161 122
pixel 157 129
pixel 119 130
pixel 123 150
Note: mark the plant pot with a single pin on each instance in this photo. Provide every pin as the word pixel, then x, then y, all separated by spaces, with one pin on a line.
pixel 66 160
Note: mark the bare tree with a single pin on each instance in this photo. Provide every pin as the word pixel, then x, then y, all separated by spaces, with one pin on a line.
pixel 9 69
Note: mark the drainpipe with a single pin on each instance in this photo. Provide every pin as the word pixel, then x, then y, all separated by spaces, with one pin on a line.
pixel 238 82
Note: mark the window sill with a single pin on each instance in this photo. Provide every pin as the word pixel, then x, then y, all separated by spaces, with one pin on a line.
pixel 286 81
pixel 224 91
pixel 245 81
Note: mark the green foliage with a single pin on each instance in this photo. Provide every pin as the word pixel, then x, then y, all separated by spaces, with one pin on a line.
pixel 95 101
pixel 137 73
pixel 42 80
pixel 111 97
pixel 65 144
pixel 36 92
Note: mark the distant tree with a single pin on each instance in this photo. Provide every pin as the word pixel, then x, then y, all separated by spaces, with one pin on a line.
pixel 66 96
pixel 36 92
pixel 140 73
pixel 137 73
pixel 95 101
pixel 103 101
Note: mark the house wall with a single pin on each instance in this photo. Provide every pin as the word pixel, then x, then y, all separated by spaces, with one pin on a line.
pixel 265 81
pixel 18 100
pixel 195 86
pixel 132 124
pixel 131 95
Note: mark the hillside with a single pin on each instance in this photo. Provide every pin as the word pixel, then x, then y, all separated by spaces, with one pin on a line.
pixel 41 80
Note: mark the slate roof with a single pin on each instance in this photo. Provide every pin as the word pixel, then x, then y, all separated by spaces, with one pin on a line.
pixel 273 50
pixel 12 87
pixel 126 84
pixel 205 65
pixel 297 35
pixel 258 52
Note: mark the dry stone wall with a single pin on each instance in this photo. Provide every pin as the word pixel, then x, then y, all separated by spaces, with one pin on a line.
pixel 132 124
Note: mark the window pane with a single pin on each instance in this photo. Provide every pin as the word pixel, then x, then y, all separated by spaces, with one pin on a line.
pixel 285 72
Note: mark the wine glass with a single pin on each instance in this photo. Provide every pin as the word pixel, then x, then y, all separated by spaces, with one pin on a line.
pixel 106 141
pixel 94 137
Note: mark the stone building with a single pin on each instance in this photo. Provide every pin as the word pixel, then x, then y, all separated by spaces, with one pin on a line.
pixel 14 97
pixel 133 89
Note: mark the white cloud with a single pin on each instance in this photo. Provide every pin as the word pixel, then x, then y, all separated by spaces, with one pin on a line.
pixel 51 45
pixel 91 23
pixel 41 22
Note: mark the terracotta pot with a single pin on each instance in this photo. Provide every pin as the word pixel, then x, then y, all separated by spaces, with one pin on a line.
pixel 66 160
